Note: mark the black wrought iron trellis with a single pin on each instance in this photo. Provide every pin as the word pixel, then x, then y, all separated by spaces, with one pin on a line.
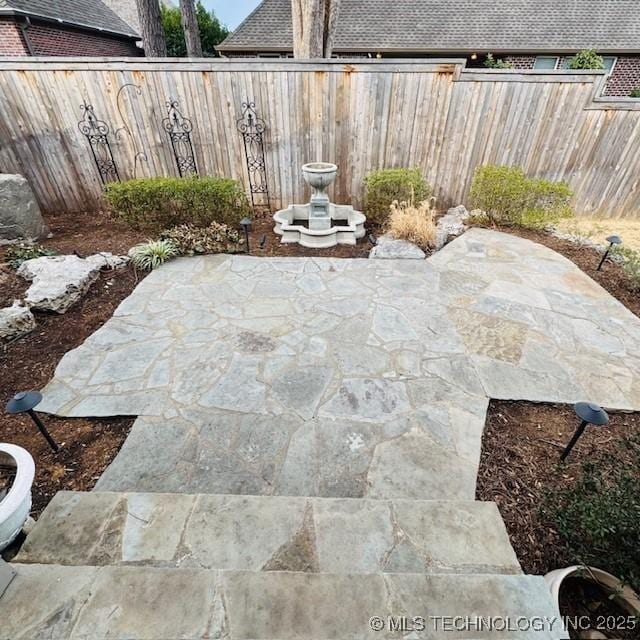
pixel 179 129
pixel 252 129
pixel 97 133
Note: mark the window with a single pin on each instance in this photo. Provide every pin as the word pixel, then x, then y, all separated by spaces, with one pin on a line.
pixel 546 62
pixel 609 63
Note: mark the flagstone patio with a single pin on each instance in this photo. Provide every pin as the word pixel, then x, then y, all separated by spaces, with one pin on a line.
pixel 343 378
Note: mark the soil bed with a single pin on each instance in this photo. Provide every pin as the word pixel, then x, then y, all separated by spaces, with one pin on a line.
pixel 520 463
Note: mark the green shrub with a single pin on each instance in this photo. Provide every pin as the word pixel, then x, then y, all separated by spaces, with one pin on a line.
pixel 16 254
pixel 384 186
pixel 496 63
pixel 159 203
pixel 216 238
pixel 509 197
pixel 635 93
pixel 152 254
pixel 586 59
pixel 598 516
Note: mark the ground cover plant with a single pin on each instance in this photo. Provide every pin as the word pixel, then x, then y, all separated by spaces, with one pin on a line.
pixel 154 204
pixel 509 197
pixel 385 186
pixel 216 238
pixel 16 254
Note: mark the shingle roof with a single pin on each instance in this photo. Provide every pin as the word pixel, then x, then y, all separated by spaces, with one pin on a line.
pixel 91 14
pixel 456 25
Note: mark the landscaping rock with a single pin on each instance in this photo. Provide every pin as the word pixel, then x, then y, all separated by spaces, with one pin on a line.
pixel 451 224
pixel 106 260
pixel 388 248
pixel 16 321
pixel 20 215
pixel 58 281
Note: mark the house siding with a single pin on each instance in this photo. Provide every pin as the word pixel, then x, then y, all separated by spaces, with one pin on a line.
pixel 52 40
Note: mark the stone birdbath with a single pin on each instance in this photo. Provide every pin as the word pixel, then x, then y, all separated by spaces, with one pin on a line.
pixel 319 224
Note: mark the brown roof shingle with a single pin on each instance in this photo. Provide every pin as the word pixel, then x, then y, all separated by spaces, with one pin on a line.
pixel 456 25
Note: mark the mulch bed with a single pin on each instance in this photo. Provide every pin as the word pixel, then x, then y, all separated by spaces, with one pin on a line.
pixel 88 445
pixel 520 462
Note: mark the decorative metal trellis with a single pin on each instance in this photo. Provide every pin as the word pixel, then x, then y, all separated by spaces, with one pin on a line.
pixel 179 129
pixel 252 129
pixel 97 134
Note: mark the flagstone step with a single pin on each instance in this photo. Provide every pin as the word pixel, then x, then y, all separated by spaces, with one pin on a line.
pixel 267 533
pixel 71 603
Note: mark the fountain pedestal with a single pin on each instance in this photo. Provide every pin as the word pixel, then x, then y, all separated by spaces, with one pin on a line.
pixel 319 224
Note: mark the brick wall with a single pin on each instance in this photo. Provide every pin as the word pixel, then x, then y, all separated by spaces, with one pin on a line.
pixel 50 40
pixel 11 41
pixel 625 76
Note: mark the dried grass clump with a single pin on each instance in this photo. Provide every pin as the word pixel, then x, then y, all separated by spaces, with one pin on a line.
pixel 414 222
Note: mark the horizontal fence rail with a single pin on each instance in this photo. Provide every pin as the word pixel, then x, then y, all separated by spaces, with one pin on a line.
pixel 72 125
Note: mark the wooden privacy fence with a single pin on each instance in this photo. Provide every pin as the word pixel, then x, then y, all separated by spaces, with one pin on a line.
pixel 361 115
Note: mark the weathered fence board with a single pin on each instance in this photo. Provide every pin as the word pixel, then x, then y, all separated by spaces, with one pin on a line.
pixel 360 114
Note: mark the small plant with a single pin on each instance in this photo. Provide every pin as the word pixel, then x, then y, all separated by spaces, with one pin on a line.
pixel 598 516
pixel 216 238
pixel 415 223
pixel 630 263
pixel 16 254
pixel 152 254
pixel 160 203
pixel 496 63
pixel 586 59
pixel 510 198
pixel 635 93
pixel 384 186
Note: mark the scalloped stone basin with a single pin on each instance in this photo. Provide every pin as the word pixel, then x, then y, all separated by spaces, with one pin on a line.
pixel 15 507
pixel 319 224
pixel 347 226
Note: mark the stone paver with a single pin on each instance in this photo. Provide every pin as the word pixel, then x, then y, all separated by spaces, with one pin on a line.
pixel 140 603
pixel 343 378
pixel 252 533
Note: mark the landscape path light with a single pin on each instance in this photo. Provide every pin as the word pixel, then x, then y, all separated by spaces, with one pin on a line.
pixel 24 402
pixel 245 223
pixel 612 240
pixel 589 413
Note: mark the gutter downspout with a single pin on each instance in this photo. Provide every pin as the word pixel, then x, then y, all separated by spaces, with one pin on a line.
pixel 23 26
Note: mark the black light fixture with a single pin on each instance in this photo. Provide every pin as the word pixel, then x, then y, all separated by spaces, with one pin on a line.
pixel 263 241
pixel 373 241
pixel 245 223
pixel 612 240
pixel 24 402
pixel 589 413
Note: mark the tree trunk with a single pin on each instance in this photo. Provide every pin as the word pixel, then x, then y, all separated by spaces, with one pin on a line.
pixel 314 24
pixel 190 28
pixel 151 30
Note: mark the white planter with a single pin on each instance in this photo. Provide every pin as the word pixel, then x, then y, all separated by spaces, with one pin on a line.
pixel 624 597
pixel 15 508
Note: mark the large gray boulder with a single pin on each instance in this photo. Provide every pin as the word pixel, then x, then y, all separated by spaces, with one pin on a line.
pixel 388 248
pixel 60 281
pixel 16 321
pixel 20 215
